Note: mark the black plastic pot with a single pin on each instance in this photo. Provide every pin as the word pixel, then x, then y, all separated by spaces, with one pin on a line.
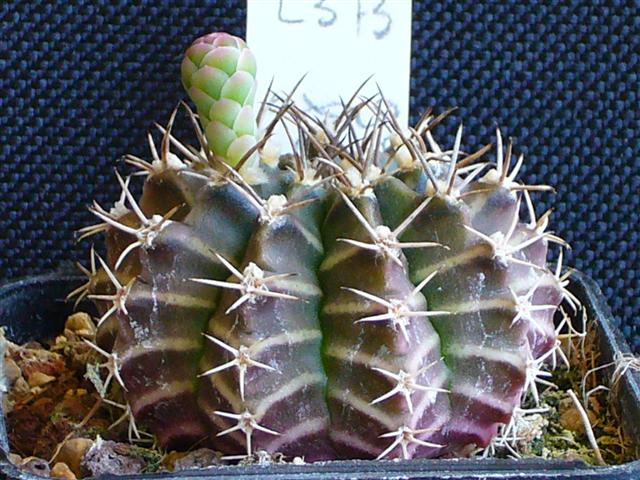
pixel 34 308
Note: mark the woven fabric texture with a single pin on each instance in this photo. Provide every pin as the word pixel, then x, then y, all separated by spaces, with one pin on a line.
pixel 81 83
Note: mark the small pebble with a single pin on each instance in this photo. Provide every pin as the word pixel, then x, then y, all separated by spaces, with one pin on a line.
pixel 36 466
pixel 72 452
pixel 11 371
pixel 108 457
pixel 38 379
pixel 20 388
pixel 81 324
pixel 201 458
pixel 62 470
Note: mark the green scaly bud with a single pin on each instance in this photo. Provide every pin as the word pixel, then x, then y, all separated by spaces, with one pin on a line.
pixel 218 72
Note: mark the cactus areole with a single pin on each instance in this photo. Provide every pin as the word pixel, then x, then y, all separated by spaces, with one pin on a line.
pixel 366 296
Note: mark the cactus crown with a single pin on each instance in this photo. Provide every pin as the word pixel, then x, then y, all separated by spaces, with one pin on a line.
pixel 356 299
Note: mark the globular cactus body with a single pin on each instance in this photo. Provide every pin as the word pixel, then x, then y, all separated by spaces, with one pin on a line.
pixel 346 309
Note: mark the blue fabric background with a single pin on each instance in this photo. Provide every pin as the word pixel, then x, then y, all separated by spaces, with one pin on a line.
pixel 81 82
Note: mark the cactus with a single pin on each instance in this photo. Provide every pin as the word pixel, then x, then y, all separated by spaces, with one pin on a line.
pixel 349 301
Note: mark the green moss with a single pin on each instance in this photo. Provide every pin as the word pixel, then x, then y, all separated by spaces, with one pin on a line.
pixel 152 458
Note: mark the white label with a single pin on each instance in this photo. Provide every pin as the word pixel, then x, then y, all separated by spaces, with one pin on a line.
pixel 337 44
